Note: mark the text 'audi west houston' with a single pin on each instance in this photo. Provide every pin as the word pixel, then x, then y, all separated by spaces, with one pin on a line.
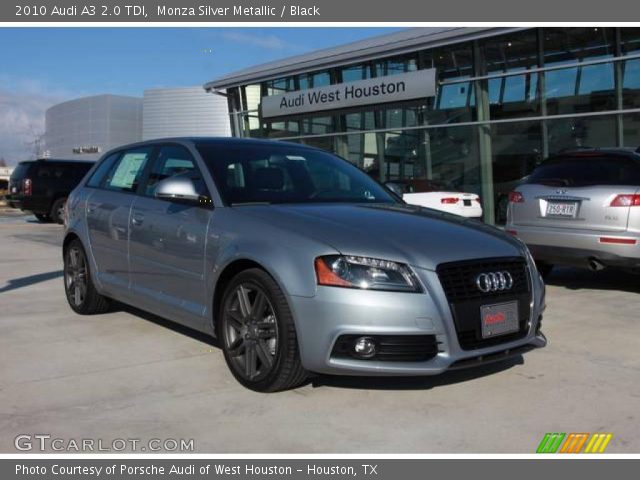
pixel 297 261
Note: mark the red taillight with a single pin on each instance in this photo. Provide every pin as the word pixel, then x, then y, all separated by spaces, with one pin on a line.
pixel 479 200
pixel 512 232
pixel 626 200
pixel 516 197
pixel 26 186
pixel 449 200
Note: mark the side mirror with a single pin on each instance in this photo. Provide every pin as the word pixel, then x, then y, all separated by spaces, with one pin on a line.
pixel 180 189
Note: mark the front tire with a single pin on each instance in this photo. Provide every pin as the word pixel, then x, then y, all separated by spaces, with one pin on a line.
pixel 81 293
pixel 258 334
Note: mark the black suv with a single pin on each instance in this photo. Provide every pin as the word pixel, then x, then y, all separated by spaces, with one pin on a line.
pixel 42 186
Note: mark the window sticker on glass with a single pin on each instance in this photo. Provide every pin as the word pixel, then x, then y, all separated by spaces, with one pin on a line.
pixel 128 170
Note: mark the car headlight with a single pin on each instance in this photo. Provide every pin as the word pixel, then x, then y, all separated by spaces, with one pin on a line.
pixel 365 273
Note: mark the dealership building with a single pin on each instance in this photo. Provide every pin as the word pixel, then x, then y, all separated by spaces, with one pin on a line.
pixel 85 128
pixel 475 108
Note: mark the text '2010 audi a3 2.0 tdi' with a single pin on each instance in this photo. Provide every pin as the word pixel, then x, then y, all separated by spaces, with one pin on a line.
pixel 297 261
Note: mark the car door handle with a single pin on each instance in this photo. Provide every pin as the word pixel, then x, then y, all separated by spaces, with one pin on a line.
pixel 137 219
pixel 91 207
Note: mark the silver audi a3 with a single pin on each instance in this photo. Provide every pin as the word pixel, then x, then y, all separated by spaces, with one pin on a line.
pixel 296 261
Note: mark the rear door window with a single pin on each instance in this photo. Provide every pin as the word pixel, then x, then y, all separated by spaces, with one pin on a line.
pixel 584 171
pixel 127 172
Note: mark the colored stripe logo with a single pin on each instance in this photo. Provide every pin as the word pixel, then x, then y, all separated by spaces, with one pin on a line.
pixel 574 443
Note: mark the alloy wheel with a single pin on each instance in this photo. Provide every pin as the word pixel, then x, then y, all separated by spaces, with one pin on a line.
pixel 75 276
pixel 251 332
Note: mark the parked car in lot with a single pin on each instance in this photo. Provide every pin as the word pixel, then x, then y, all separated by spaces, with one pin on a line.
pixel 41 187
pixel 437 195
pixel 297 261
pixel 581 208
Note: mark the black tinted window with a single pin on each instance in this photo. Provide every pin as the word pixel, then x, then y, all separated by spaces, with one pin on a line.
pixel 21 170
pixel 586 171
pixel 281 173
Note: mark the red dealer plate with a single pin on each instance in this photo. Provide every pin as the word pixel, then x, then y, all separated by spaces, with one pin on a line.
pixel 499 319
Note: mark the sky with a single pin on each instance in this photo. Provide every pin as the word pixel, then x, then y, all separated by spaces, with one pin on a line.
pixel 40 67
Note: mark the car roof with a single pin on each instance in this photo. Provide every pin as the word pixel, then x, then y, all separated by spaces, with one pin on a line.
pixel 630 153
pixel 214 141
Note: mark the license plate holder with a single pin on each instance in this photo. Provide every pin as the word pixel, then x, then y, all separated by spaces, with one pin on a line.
pixel 562 209
pixel 499 319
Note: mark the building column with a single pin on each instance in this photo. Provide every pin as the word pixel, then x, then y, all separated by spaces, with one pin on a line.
pixel 619 91
pixel 541 96
pixel 481 89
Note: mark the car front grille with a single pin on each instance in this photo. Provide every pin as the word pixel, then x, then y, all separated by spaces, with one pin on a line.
pixel 465 299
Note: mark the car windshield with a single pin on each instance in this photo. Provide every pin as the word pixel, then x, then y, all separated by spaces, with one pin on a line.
pixel 586 171
pixel 282 173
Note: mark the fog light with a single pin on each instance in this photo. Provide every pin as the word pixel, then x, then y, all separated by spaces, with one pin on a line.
pixel 364 347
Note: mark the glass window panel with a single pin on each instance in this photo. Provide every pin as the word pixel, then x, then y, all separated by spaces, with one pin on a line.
pixel 355 73
pixel 631 84
pixel 516 150
pixel 569 45
pixel 317 125
pixel 569 133
pixel 454 102
pixel 394 66
pixel 631 130
pixel 561 83
pixel 630 40
pixel 514 96
pixel 581 88
pixel 511 52
pixel 595 78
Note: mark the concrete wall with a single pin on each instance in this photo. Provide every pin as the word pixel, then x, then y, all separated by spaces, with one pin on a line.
pixel 186 111
pixel 103 121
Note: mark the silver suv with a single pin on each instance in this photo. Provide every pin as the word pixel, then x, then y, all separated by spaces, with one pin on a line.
pixel 297 261
pixel 580 208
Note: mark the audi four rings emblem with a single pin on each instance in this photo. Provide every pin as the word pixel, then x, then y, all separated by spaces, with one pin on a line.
pixel 494 281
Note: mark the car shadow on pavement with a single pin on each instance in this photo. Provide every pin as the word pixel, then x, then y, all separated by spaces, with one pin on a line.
pixel 349 382
pixel 163 322
pixel 417 383
pixel 608 279
pixel 15 283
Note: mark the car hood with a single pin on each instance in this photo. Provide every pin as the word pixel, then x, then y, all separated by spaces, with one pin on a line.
pixel 403 233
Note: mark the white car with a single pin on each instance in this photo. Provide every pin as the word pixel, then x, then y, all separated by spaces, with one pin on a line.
pixel 430 194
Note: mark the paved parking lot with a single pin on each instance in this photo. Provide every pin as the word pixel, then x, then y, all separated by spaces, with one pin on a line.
pixel 126 374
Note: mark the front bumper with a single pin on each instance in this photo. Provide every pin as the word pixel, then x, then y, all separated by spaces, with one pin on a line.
pixel 334 312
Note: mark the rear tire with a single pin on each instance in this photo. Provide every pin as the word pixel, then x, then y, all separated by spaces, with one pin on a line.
pixel 81 293
pixel 57 210
pixel 544 269
pixel 258 334
pixel 43 217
